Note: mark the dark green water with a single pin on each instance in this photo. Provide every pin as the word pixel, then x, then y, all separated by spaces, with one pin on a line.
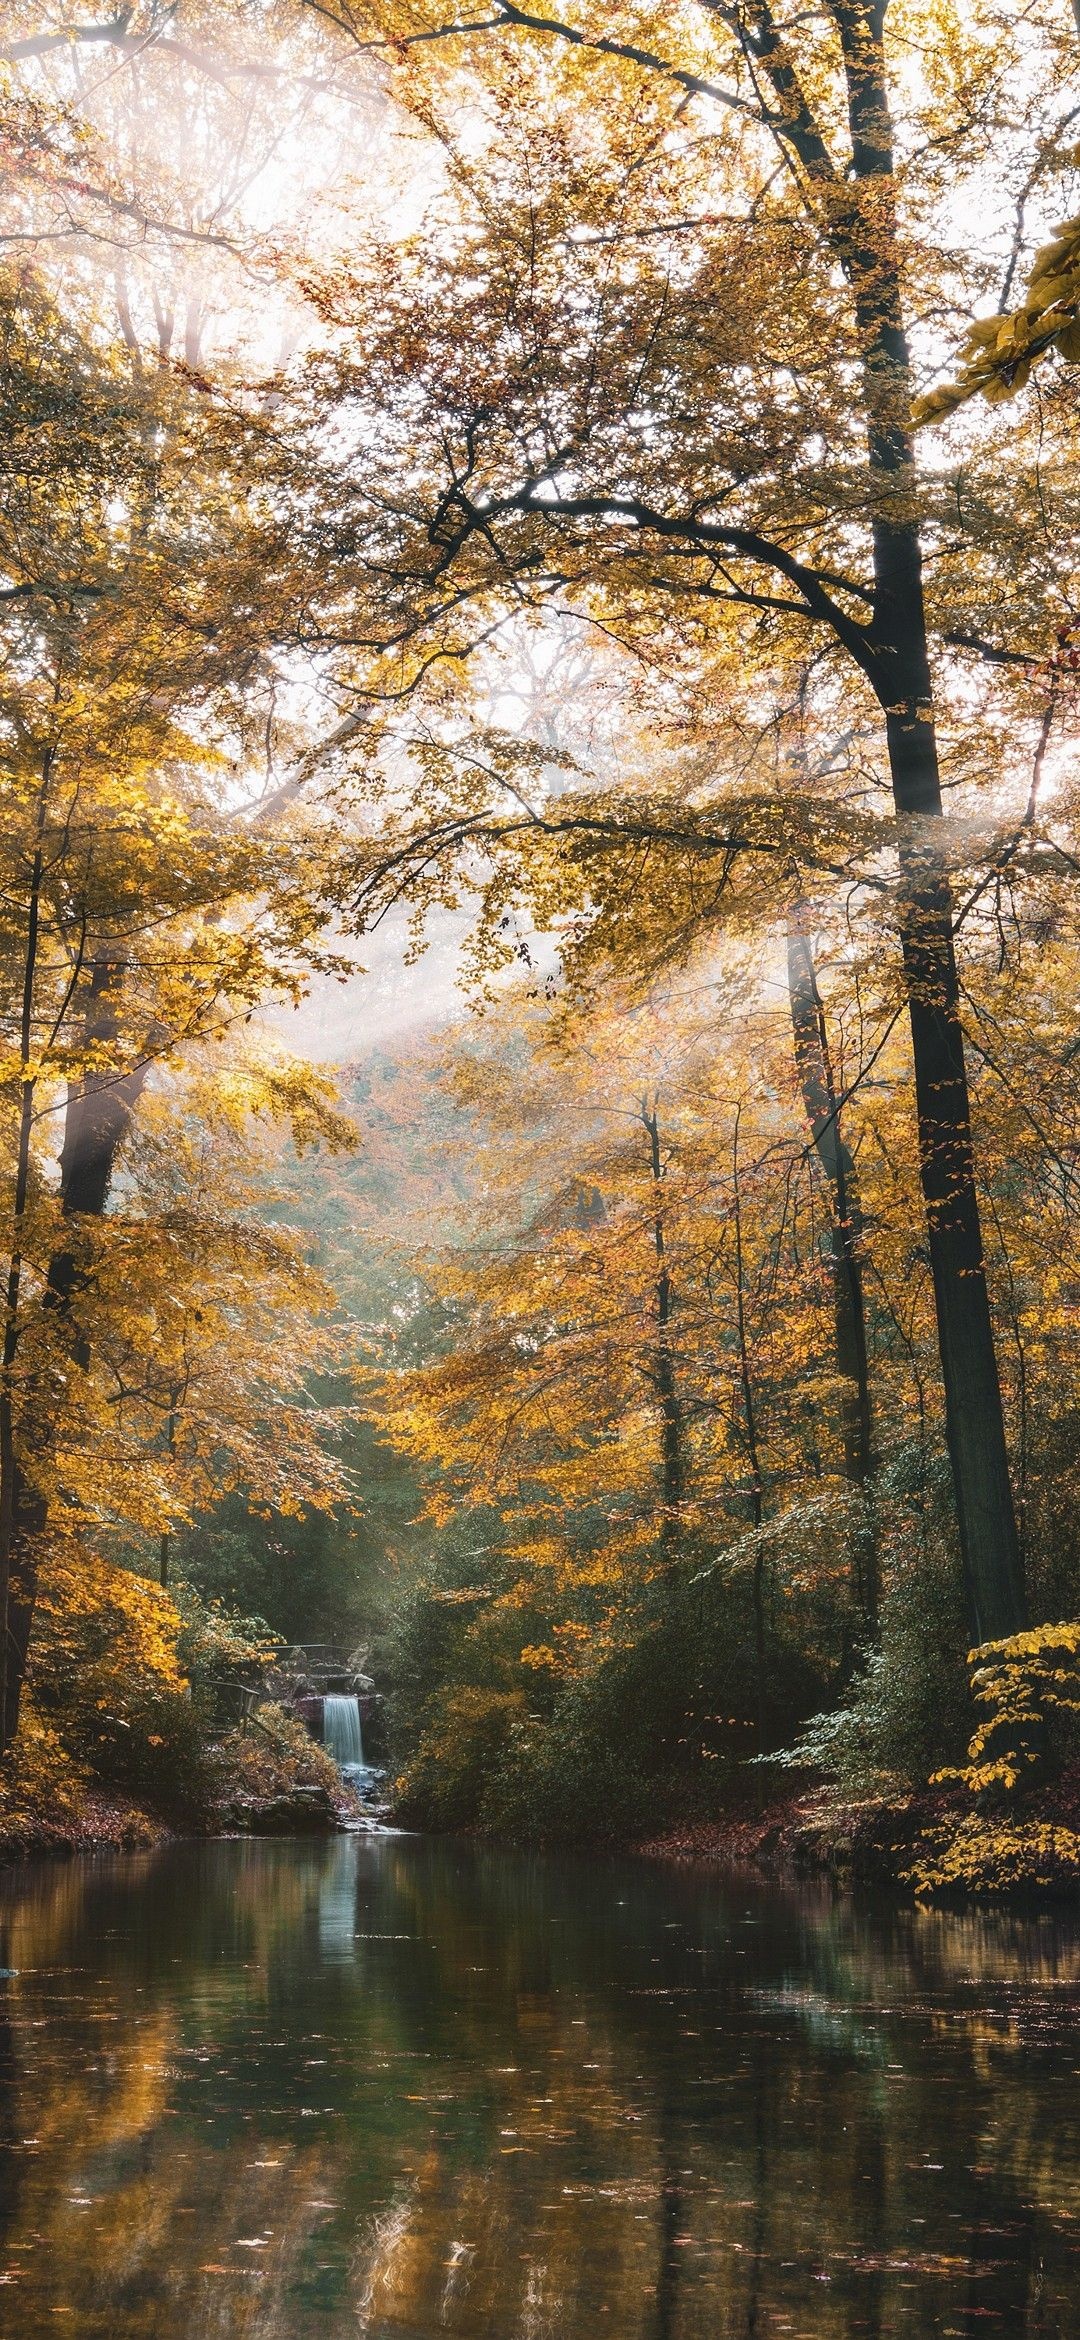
pixel 394 2088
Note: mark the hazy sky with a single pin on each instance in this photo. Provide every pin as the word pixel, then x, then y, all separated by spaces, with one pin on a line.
pixel 386 1000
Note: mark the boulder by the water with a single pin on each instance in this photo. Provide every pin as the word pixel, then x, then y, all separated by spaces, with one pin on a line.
pixel 303 1809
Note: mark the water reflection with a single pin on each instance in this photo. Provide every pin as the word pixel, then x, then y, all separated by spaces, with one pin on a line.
pixel 393 2089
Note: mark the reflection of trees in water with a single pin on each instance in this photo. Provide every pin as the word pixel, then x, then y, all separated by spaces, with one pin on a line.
pixel 760 2199
pixel 850 2198
pixel 673 2210
pixel 138 2211
pixel 537 2213
pixel 10 2170
pixel 306 2091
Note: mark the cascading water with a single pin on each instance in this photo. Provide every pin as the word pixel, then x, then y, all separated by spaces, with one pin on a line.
pixel 341 1732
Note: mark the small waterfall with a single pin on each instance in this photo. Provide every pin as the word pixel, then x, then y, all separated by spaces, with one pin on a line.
pixel 341 1732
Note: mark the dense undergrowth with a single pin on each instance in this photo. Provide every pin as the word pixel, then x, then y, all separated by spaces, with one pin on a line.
pixel 947 1775
pixel 130 1725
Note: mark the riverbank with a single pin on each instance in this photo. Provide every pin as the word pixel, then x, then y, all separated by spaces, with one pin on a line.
pixel 936 1844
pixel 268 1780
pixel 102 1822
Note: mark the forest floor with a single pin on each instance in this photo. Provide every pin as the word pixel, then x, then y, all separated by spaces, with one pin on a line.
pixel 1032 1849
pixel 104 1820
pixel 99 1821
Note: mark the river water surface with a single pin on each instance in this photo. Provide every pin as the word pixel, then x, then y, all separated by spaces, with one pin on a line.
pixel 388 2088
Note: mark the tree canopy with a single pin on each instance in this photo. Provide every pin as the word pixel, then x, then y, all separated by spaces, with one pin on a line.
pixel 593 493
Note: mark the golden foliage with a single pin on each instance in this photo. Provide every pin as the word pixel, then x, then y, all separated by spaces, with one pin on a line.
pixel 42 1786
pixel 988 1856
pixel 998 354
pixel 111 1629
pixel 1021 1682
pixel 272 1758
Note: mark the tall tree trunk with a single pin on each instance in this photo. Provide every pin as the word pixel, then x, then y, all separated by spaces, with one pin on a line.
pixel 974 1418
pixel 98 1116
pixel 860 214
pixel 671 1434
pixel 753 1451
pixel 813 1063
pixel 10 1475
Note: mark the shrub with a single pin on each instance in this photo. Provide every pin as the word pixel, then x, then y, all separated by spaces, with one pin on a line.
pixel 274 1760
pixel 126 1677
pixel 107 1677
pixel 215 1644
pixel 992 1856
pixel 1026 1685
pixel 446 1781
pixel 906 1710
pixel 565 1780
pixel 42 1787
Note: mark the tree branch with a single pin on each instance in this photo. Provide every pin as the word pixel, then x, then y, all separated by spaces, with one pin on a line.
pixel 702 534
pixel 599 44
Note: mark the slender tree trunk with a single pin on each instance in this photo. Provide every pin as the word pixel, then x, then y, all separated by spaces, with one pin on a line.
pixel 165 1541
pixel 671 1434
pixel 9 1464
pixel 813 1063
pixel 974 1419
pixel 753 1452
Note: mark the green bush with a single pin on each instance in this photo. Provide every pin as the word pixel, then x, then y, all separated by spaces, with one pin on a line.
pixel 906 1712
pixel 564 1780
pixel 654 1724
pixel 446 1781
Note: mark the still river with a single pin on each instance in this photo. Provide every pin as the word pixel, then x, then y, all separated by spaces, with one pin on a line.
pixel 393 2088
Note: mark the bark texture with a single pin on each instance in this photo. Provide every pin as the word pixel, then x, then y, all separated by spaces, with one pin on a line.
pixel 864 231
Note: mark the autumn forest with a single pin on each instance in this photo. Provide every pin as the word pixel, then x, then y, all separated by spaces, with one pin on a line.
pixel 540 925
